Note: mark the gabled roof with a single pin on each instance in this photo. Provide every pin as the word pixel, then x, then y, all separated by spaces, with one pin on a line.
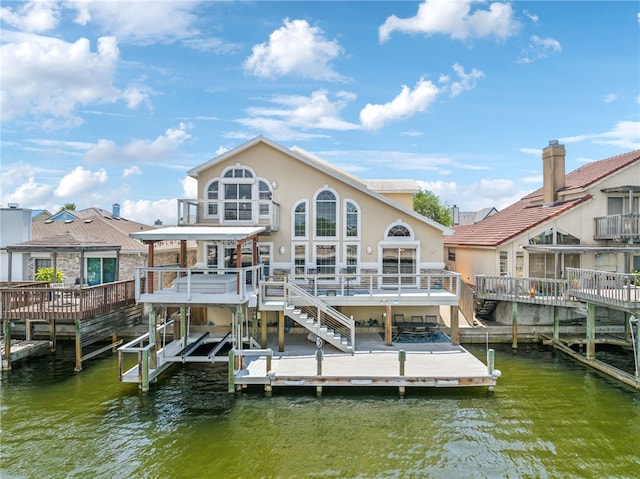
pixel 321 165
pixel 525 214
pixel 468 217
pixel 508 223
pixel 97 228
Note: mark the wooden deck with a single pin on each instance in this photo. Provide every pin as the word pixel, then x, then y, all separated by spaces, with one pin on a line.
pixel 373 365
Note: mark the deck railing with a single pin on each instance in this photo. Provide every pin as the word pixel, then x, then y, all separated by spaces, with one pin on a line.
pixel 524 290
pixel 369 284
pixel 188 282
pixel 617 227
pixel 601 287
pixel 43 302
pixel 258 212
pixel 616 289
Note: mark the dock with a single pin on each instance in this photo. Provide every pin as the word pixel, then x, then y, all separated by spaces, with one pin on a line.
pixel 401 365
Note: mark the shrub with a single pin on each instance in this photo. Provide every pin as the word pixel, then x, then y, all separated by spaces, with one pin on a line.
pixel 46 274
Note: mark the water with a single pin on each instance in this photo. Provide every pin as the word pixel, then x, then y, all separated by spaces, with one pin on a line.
pixel 548 418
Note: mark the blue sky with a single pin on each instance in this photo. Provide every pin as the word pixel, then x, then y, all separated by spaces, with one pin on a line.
pixel 113 101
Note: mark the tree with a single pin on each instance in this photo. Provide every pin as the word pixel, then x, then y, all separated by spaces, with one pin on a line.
pixel 69 206
pixel 428 204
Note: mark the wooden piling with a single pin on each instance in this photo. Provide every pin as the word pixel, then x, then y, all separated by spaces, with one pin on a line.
pixel 281 331
pixel 78 347
pixel 6 357
pixel 262 318
pixel 231 372
pixel 591 331
pixel 514 326
pixel 402 358
pixel 319 357
pixel 455 325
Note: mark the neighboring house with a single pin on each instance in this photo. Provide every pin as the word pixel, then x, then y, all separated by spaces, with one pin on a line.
pixel 91 244
pixel 469 217
pixel 40 215
pixel 358 245
pixel 588 218
pixel 15 227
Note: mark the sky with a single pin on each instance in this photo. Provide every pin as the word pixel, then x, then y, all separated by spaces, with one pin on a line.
pixel 113 101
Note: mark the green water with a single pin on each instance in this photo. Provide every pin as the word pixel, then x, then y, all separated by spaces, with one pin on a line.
pixel 548 418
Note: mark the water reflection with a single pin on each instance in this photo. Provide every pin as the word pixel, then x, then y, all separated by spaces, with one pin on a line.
pixel 549 417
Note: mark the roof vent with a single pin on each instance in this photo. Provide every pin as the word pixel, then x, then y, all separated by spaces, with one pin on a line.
pixel 13 206
pixel 68 221
pixel 88 221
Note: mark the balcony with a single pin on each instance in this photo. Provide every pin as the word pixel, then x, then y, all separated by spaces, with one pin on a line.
pixel 251 212
pixel 625 228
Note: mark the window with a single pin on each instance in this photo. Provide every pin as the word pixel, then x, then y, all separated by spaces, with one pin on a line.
pixel 451 254
pixel 237 202
pixel 300 220
pixel 326 215
pixel 212 199
pixel 351 256
pixel 43 263
pixel 326 260
pixel 300 259
pixel 264 195
pixel 101 270
pixel 238 172
pixel 264 257
pixel 212 256
pixel 519 264
pixel 504 263
pixel 351 220
pixel 399 230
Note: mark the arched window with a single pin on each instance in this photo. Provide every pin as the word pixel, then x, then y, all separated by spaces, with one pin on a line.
pixel 212 199
pixel 300 220
pixel 326 214
pixel 238 194
pixel 399 231
pixel 264 194
pixel 351 220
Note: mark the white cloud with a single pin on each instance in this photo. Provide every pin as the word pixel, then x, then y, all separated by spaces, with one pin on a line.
pixel 295 49
pixel 147 212
pixel 139 151
pixel 467 81
pixel 291 115
pixel 485 193
pixel 532 16
pixel 79 182
pixel 131 171
pixel 610 98
pixel 625 134
pixel 532 151
pixel 539 48
pixel 47 77
pixel 454 18
pixel 190 187
pixel 406 104
pixel 141 23
pixel 33 16
pixel 29 195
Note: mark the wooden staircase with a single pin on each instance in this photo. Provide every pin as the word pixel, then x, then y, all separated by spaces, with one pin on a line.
pixel 318 318
pixel 486 308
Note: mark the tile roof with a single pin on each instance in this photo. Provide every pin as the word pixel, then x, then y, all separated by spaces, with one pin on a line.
pixel 594 171
pixel 526 214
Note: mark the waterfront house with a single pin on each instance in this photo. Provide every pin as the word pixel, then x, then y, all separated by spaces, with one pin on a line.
pixel 588 219
pixel 287 243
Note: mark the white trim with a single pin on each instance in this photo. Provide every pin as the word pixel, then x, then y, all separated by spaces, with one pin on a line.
pixel 207 201
pixel 404 224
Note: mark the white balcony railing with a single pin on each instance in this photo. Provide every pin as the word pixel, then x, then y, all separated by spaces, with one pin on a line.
pixel 252 212
pixel 617 227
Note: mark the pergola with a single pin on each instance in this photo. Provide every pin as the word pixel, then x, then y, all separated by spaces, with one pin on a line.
pixel 64 243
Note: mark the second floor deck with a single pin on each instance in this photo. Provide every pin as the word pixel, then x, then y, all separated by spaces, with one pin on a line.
pixel 205 286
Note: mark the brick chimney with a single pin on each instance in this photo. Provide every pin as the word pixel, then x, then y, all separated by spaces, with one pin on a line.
pixel 552 171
